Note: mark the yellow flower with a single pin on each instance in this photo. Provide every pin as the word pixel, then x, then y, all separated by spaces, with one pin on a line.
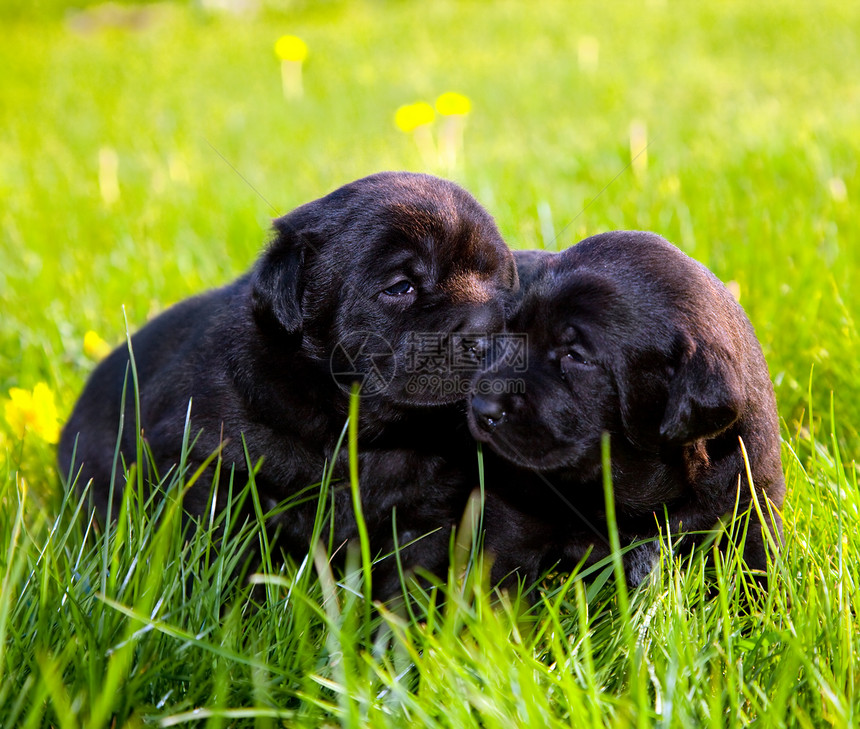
pixel 408 118
pixel 35 411
pixel 291 48
pixel 94 346
pixel 453 104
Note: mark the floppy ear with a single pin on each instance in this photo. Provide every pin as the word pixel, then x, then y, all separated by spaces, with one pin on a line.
pixel 642 380
pixel 705 395
pixel 278 280
pixel 697 396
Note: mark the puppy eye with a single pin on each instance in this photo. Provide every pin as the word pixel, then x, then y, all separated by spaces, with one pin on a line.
pixel 399 289
pixel 574 356
pixel 575 360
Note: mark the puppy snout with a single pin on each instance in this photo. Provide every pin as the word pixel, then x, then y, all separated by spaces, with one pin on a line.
pixel 485 320
pixel 489 411
pixel 474 333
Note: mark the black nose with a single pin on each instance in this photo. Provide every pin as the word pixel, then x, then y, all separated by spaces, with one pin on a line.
pixel 489 412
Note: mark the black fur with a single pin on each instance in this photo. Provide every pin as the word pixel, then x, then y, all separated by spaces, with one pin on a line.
pixel 256 359
pixel 626 336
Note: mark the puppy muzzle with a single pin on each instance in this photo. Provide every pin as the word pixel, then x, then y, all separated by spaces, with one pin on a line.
pixel 488 412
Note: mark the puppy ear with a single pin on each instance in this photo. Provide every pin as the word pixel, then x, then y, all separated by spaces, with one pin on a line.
pixel 705 395
pixel 679 400
pixel 277 281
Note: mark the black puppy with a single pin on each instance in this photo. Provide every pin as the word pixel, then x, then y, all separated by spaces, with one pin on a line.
pixel 626 336
pixel 351 288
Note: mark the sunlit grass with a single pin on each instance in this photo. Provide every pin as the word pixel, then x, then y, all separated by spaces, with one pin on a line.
pixel 146 622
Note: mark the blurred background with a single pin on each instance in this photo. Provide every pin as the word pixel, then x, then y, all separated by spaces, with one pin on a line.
pixel 144 149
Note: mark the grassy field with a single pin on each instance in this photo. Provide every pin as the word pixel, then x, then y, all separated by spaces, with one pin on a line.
pixel 143 152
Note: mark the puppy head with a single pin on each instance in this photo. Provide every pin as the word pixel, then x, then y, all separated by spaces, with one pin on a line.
pixel 393 281
pixel 626 335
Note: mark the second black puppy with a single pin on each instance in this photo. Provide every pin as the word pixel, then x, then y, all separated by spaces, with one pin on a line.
pixel 626 336
pixel 345 286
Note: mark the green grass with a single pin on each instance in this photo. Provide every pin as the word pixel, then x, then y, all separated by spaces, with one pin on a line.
pixel 752 118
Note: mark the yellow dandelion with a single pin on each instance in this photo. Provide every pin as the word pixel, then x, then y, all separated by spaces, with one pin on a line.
pixel 33 411
pixel 94 346
pixel 411 116
pixel 453 108
pixel 415 119
pixel 453 104
pixel 292 51
pixel 291 48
